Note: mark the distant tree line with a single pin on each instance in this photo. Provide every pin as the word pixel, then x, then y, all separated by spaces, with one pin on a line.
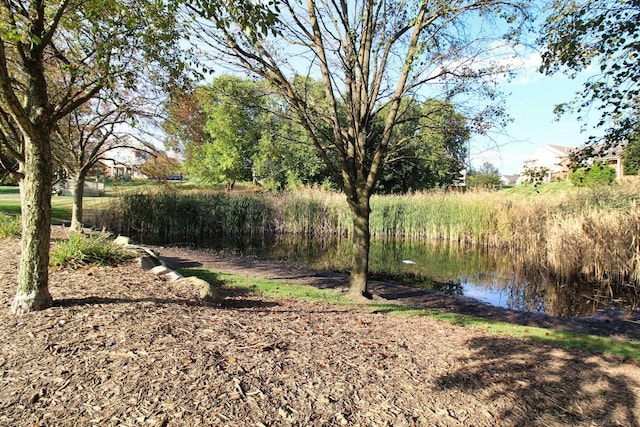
pixel 238 129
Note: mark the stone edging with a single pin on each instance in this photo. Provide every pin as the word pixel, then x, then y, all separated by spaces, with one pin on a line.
pixel 150 262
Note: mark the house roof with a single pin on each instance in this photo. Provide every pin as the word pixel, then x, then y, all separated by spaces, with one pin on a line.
pixel 602 152
pixel 561 150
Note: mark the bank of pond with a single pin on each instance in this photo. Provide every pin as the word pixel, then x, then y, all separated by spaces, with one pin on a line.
pixel 567 253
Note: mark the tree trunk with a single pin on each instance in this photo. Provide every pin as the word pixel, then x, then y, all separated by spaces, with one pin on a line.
pixel 78 196
pixel 361 245
pixel 35 195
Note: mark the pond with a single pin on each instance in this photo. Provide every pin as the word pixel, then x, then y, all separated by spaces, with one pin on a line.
pixel 489 275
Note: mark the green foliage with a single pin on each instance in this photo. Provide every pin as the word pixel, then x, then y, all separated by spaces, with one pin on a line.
pixel 631 156
pixel 286 156
pixel 10 226
pixel 80 250
pixel 603 34
pixel 214 127
pixel 594 175
pixel 487 176
pixel 428 150
pixel 232 107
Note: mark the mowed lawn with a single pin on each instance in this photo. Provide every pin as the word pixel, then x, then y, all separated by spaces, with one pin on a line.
pixel 60 205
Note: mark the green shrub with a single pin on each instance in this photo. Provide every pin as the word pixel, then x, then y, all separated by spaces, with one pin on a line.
pixel 9 226
pixel 80 250
pixel 594 175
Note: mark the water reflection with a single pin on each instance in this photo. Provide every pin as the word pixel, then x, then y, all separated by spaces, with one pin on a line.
pixel 490 275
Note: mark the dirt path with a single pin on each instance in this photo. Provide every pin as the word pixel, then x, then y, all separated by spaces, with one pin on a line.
pixel 124 348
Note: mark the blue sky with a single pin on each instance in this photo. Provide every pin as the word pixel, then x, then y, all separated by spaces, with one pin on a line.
pixel 530 103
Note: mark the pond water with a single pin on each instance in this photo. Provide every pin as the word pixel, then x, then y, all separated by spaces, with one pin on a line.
pixel 486 274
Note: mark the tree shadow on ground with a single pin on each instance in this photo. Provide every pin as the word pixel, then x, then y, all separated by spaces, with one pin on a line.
pixel 545 386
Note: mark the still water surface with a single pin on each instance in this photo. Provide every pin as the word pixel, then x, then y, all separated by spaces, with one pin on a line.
pixel 488 275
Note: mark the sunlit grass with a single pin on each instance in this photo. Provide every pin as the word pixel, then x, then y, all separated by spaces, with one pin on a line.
pixel 627 349
pixel 9 226
pixel 61 206
pixel 80 250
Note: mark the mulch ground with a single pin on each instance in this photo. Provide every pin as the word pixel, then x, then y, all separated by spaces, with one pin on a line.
pixel 122 347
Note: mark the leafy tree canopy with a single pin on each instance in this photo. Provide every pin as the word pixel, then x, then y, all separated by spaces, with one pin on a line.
pixel 231 108
pixel 487 176
pixel 631 156
pixel 429 150
pixel 602 35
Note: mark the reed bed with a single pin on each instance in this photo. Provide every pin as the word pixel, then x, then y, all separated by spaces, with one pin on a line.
pixel 312 213
pixel 599 244
pixel 458 217
pixel 586 233
pixel 169 216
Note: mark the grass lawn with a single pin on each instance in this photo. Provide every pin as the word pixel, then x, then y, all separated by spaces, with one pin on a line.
pixel 60 205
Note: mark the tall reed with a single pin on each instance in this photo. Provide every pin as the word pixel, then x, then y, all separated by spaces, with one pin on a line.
pixel 162 216
pixel 438 215
pixel 599 244
pixel 312 212
pixel 572 234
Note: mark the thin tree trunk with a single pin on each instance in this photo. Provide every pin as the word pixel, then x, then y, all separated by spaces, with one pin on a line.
pixel 78 196
pixel 35 194
pixel 361 244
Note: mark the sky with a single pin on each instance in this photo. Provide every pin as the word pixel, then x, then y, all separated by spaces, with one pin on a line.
pixel 531 99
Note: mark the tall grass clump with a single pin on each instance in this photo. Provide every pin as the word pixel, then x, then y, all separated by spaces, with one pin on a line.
pixel 312 212
pixel 165 215
pixel 468 217
pixel 603 245
pixel 10 226
pixel 80 250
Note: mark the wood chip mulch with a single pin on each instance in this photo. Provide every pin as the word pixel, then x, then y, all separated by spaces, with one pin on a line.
pixel 122 347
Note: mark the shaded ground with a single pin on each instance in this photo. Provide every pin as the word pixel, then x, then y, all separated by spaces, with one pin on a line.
pixel 122 347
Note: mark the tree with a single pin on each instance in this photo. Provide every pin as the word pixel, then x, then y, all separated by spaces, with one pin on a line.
pixel 160 167
pixel 90 132
pixel 631 156
pixel 431 149
pixel 286 157
pixel 232 107
pixel 488 176
pixel 185 121
pixel 604 35
pixel 369 56
pixel 277 158
pixel 54 57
